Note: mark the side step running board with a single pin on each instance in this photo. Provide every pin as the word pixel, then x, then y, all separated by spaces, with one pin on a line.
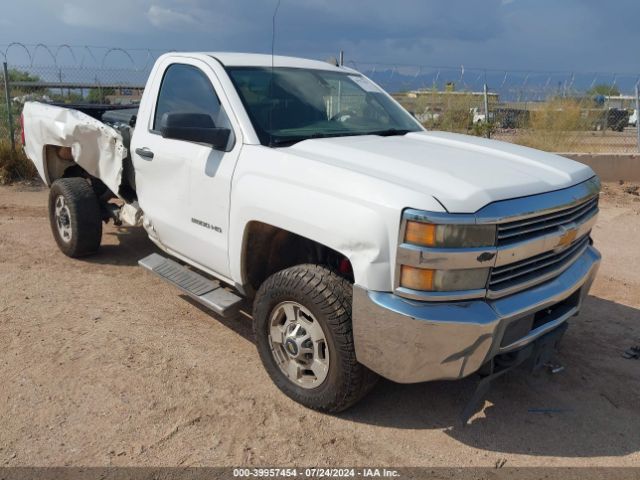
pixel 209 293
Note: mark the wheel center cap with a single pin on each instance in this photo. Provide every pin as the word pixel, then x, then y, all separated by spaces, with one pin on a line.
pixel 291 347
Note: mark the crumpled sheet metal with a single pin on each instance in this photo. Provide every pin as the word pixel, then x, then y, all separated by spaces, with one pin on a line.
pixel 95 146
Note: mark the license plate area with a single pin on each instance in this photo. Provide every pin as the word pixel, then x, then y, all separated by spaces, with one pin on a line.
pixel 521 327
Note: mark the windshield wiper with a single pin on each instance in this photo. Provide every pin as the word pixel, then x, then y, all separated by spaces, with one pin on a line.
pixel 391 132
pixel 287 141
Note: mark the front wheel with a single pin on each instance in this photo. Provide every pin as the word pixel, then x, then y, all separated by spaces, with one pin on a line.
pixel 302 323
pixel 74 214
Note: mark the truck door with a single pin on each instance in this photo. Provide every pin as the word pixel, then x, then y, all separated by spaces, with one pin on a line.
pixel 184 187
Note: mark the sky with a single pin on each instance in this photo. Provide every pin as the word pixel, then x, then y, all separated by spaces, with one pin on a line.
pixel 542 35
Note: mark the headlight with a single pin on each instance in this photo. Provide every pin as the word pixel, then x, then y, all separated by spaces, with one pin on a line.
pixel 438 254
pixel 449 236
pixel 443 280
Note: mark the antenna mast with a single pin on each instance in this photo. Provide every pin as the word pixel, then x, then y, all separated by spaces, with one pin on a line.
pixel 273 47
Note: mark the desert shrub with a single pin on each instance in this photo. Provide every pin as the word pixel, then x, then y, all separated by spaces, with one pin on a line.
pixel 558 116
pixel 554 127
pixel 14 165
pixel 483 129
pixel 455 120
pixel 448 111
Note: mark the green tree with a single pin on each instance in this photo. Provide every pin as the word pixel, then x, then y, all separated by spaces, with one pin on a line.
pixel 604 89
pixel 97 95
pixel 20 76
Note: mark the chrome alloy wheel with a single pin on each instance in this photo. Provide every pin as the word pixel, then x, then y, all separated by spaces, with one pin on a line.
pixel 63 219
pixel 298 344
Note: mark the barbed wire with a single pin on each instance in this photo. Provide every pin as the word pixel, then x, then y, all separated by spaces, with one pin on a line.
pixel 138 58
pixel 425 77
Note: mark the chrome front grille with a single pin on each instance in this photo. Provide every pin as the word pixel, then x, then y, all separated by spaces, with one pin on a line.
pixel 538 238
pixel 532 227
pixel 519 275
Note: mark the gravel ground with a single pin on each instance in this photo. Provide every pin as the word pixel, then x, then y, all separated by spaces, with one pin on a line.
pixel 103 364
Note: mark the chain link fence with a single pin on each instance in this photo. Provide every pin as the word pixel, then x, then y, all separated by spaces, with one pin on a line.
pixel 553 111
pixel 66 75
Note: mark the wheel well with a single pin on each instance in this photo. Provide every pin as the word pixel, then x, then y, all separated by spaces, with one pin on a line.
pixel 267 249
pixel 59 163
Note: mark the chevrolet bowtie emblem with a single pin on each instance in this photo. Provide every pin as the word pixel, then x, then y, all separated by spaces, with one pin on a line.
pixel 567 238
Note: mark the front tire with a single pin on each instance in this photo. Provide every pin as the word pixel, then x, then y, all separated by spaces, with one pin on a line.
pixel 74 214
pixel 302 323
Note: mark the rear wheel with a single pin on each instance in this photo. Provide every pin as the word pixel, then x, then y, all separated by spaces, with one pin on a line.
pixel 302 322
pixel 74 214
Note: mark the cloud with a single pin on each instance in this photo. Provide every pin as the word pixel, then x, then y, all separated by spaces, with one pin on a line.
pixel 117 15
pixel 576 35
pixel 79 16
pixel 166 18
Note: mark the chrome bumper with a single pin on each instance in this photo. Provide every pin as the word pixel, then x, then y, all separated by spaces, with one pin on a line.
pixel 410 341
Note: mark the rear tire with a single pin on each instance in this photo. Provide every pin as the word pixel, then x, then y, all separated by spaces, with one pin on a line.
pixel 74 214
pixel 321 301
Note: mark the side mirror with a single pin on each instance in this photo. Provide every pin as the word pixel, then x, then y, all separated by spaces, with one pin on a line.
pixel 194 127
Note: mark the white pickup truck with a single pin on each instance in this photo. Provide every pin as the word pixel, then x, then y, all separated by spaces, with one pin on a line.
pixel 366 245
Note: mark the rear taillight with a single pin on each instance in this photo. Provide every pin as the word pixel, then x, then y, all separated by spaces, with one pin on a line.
pixel 22 129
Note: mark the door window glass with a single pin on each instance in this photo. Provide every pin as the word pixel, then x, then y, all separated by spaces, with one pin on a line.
pixel 186 89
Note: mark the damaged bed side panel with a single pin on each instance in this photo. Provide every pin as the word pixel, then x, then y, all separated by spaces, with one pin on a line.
pixel 96 147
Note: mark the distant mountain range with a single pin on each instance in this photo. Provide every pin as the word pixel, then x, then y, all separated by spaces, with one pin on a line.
pixel 511 86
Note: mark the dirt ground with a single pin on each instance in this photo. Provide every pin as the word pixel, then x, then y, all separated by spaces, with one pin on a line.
pixel 103 364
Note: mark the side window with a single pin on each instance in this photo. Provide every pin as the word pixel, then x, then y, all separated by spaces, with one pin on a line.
pixel 186 89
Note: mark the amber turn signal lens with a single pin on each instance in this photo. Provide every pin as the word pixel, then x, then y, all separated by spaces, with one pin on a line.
pixel 419 233
pixel 416 278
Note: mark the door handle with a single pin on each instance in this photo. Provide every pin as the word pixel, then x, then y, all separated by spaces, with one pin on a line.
pixel 144 152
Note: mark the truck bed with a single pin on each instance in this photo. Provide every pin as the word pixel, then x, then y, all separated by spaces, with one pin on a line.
pixel 101 111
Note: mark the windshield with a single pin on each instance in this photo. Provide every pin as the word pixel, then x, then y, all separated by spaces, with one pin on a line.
pixel 288 105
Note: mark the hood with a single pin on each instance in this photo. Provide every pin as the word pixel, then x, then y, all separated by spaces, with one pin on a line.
pixel 462 172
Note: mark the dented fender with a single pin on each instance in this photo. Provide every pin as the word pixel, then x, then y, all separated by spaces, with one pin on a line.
pixel 95 147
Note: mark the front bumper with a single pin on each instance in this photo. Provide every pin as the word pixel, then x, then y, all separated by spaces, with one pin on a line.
pixel 410 341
